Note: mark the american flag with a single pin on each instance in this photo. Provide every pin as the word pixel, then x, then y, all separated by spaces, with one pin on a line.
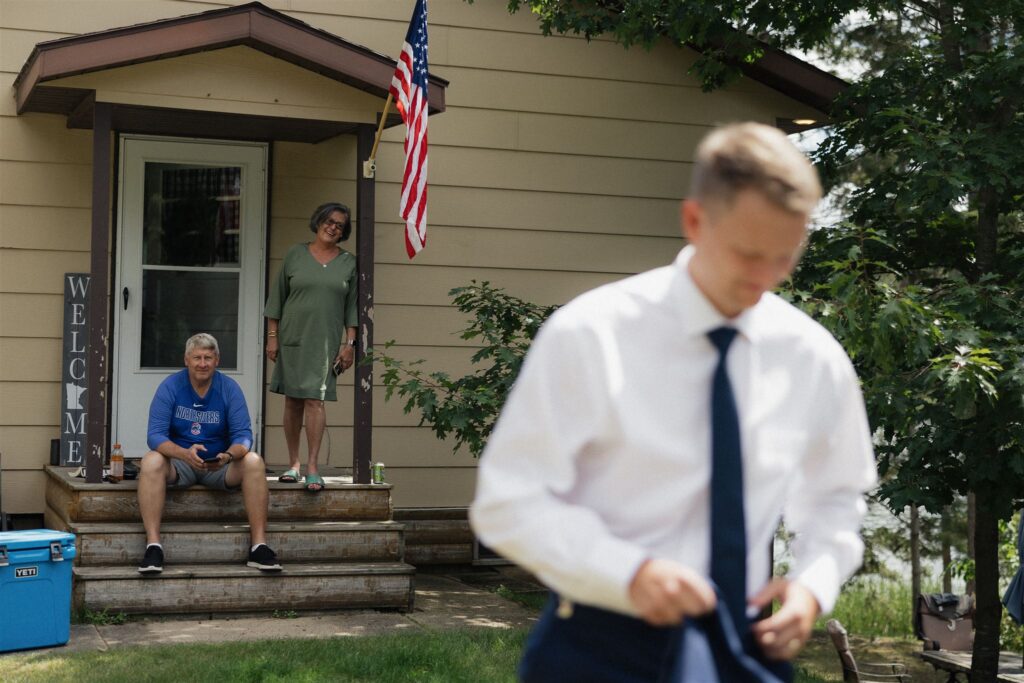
pixel 409 88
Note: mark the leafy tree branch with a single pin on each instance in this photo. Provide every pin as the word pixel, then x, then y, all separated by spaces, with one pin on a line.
pixel 466 408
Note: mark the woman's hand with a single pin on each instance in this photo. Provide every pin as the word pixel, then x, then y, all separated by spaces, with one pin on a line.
pixel 346 356
pixel 272 348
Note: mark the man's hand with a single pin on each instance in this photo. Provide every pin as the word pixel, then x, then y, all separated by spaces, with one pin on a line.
pixel 783 634
pixel 193 459
pixel 218 462
pixel 664 592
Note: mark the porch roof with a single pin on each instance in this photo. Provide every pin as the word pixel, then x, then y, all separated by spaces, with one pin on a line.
pixel 252 25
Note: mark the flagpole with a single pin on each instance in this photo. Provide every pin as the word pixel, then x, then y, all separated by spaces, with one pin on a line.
pixel 370 166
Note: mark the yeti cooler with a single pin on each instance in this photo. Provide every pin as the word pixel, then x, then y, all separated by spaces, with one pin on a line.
pixel 35 588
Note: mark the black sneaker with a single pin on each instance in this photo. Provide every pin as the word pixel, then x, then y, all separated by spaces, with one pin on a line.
pixel 153 561
pixel 264 559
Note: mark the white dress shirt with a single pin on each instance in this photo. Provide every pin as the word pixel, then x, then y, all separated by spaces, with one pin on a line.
pixel 601 456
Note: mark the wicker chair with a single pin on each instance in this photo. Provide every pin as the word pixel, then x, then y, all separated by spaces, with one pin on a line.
pixel 879 672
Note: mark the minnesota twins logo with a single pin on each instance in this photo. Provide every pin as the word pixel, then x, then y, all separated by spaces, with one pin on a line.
pixel 196 428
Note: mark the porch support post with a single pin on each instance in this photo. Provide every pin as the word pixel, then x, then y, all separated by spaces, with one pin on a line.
pixel 362 439
pixel 96 431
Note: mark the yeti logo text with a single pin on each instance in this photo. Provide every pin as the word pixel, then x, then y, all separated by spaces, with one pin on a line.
pixel 25 572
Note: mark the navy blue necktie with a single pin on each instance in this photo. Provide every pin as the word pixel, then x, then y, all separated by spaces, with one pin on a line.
pixel 728 529
pixel 719 646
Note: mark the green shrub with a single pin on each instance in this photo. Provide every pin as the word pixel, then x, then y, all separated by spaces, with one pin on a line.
pixel 467 407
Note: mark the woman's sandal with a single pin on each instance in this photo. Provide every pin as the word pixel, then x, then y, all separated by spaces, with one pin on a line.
pixel 314 480
pixel 289 477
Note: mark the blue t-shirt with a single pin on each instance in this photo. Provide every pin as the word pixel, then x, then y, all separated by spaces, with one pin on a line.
pixel 218 420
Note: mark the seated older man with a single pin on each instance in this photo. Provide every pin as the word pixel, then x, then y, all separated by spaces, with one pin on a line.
pixel 200 433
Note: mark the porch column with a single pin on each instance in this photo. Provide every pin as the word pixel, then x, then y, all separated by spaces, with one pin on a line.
pixel 96 431
pixel 362 438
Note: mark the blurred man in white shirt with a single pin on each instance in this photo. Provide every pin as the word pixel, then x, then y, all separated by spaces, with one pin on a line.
pixel 596 477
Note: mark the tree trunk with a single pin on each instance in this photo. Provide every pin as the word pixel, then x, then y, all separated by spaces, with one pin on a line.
pixel 949 35
pixel 985 663
pixel 915 558
pixel 988 229
pixel 971 554
pixel 947 552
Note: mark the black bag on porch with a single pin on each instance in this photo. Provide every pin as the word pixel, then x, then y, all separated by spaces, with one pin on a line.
pixel 944 621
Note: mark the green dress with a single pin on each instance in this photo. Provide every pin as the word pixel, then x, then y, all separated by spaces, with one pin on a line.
pixel 314 304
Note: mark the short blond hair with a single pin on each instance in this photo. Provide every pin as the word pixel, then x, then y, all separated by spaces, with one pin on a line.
pixel 202 341
pixel 753 156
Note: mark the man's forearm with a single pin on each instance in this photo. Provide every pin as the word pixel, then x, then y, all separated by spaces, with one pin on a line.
pixel 172 450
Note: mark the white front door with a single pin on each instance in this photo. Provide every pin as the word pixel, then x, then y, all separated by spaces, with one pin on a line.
pixel 190 258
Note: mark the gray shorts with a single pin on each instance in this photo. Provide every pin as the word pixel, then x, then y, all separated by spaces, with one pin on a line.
pixel 189 477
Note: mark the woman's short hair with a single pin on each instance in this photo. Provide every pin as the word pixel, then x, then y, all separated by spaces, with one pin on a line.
pixel 753 156
pixel 324 211
pixel 202 341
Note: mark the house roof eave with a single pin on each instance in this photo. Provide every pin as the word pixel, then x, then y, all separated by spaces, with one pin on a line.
pixel 797 79
pixel 252 24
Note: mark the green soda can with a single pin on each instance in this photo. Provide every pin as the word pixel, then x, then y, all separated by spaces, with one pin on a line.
pixel 377 473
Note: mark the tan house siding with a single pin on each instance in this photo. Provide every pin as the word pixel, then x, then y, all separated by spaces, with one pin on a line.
pixel 45 201
pixel 558 166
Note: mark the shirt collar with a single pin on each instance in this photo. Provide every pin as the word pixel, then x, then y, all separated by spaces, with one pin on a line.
pixel 699 315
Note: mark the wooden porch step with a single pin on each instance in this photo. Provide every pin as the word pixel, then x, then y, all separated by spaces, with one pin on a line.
pixel 123 543
pixel 436 535
pixel 220 588
pixel 75 501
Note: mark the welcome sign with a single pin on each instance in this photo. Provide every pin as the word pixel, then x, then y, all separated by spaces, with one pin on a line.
pixel 74 382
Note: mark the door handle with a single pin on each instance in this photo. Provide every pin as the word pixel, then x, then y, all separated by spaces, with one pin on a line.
pixel 124 295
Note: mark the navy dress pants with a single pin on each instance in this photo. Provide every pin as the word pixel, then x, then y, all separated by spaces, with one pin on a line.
pixel 597 646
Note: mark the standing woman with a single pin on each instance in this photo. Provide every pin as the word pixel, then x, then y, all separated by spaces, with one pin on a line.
pixel 311 316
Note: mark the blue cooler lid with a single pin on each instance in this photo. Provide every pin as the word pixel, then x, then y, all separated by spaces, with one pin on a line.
pixel 34 538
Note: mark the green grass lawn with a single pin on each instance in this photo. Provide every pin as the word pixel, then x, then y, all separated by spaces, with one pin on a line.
pixel 473 656
pixel 477 656
pixel 876 616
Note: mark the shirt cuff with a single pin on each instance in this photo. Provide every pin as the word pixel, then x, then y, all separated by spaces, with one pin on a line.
pixel 821 577
pixel 621 562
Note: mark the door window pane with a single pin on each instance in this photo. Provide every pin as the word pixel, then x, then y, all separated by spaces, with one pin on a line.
pixel 191 215
pixel 178 304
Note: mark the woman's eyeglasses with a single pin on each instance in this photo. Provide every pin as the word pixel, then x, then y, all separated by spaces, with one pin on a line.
pixel 334 224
